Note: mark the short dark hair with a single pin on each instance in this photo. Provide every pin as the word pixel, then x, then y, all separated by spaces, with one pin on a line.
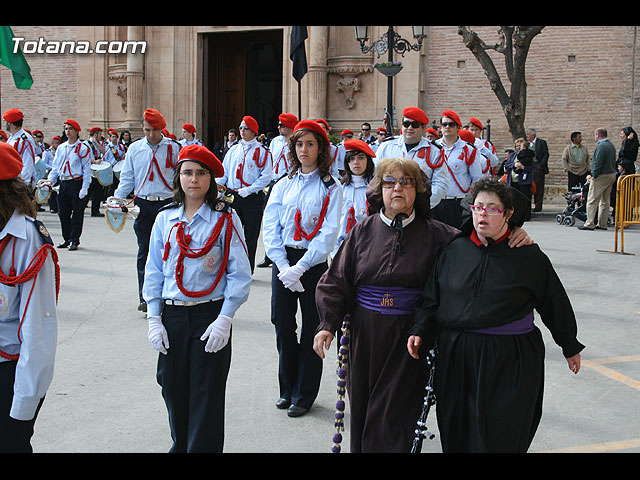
pixel 211 195
pixel 574 135
pixel 493 185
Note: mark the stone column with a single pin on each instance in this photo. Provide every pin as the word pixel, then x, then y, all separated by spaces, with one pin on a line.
pixel 135 80
pixel 317 72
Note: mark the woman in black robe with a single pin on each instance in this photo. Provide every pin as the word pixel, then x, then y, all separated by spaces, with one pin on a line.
pixel 477 308
pixel 376 277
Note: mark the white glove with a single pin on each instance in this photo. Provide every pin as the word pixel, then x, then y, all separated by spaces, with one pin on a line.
pixel 42 182
pixel 158 334
pixel 291 275
pixel 244 192
pixel 217 334
pixel 296 287
pixel 83 193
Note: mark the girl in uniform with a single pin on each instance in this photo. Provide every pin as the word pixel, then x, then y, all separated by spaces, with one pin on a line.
pixel 358 171
pixel 197 276
pixel 29 282
pixel 301 222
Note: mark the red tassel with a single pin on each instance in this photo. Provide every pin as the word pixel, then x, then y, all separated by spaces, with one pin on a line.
pixel 421 153
pixel 297 236
pixel 167 247
pixel 351 219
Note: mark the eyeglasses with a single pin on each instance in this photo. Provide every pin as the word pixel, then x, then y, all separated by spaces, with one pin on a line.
pixel 243 127
pixel 489 210
pixel 405 182
pixel 448 124
pixel 191 173
pixel 409 123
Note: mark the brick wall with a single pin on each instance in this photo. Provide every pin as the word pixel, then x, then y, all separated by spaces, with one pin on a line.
pixel 52 98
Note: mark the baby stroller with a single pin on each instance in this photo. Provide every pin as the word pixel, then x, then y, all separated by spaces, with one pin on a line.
pixel 576 206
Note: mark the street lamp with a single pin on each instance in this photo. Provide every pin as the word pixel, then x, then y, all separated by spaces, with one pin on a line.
pixel 389 43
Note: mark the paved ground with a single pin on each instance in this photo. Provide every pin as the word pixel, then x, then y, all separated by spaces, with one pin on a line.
pixel 104 397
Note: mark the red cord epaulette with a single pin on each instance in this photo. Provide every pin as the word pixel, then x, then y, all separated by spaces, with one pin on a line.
pixel 29 273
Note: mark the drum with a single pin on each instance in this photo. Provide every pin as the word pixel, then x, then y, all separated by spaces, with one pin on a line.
pixel 103 172
pixel 117 168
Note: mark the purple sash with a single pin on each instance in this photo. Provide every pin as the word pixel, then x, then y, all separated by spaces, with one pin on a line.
pixel 388 300
pixel 517 327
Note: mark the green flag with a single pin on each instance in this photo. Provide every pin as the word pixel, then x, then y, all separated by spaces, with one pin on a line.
pixel 14 61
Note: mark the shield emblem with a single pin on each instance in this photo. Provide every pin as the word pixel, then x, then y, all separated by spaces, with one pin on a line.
pixel 41 195
pixel 115 219
pixel 40 169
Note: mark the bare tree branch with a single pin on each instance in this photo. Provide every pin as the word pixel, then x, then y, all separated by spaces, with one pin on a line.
pixel 514 44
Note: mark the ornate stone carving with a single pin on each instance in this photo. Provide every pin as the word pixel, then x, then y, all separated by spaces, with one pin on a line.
pixel 348 86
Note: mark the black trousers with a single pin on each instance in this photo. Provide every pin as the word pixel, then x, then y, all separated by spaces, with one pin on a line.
pixel 538 177
pixel 574 180
pixel 193 381
pixel 299 367
pixel 250 210
pixel 71 210
pixel 142 227
pixel 448 211
pixel 15 435
pixel 95 194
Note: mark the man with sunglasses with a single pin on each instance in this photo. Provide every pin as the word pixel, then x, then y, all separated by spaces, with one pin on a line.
pixel 413 144
pixel 464 164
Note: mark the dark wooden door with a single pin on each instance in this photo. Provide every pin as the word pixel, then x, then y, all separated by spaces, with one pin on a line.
pixel 242 76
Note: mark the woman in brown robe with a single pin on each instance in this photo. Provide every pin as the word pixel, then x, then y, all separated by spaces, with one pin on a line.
pixel 384 260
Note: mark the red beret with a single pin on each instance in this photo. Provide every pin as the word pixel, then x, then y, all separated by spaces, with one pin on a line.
pixel 467 136
pixel 358 145
pixel 416 113
pixel 36 132
pixel 167 134
pixel 154 118
pixel 476 122
pixel 322 121
pixel 288 120
pixel 201 154
pixel 382 129
pixel 95 129
pixel 56 138
pixel 112 131
pixel 346 132
pixel 453 116
pixel 189 128
pixel 13 115
pixel 74 124
pixel 312 126
pixel 10 162
pixel 251 122
pixel 433 131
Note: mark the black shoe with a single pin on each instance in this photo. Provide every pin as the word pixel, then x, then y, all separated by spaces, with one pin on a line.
pixel 64 244
pixel 283 403
pixel 296 411
pixel 586 228
pixel 265 263
pixel 97 214
pixel 53 211
pixel 601 228
pixel 73 246
pixel 142 307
